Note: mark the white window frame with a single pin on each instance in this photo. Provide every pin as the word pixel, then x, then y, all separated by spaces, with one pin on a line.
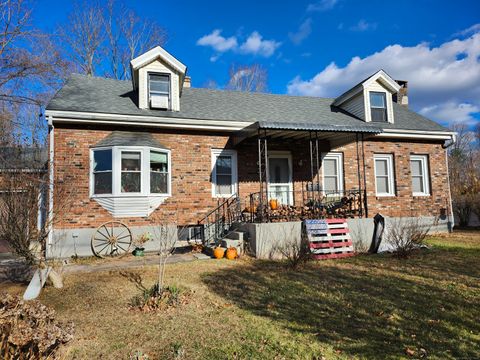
pixel 116 171
pixel 338 157
pixel 425 174
pixel 222 152
pixel 169 95
pixel 390 174
pixel 376 107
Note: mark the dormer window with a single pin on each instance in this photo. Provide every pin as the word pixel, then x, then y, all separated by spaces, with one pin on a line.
pixel 378 106
pixel 159 91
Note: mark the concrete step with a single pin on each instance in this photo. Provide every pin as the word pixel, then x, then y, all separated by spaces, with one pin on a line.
pixel 236 235
pixel 238 244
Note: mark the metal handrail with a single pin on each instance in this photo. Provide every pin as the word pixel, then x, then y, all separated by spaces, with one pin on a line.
pixel 218 221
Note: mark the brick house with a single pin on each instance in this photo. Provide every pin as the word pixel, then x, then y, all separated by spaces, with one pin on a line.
pixel 133 150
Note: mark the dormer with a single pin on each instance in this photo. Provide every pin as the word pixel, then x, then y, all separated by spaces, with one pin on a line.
pixel 159 79
pixel 372 99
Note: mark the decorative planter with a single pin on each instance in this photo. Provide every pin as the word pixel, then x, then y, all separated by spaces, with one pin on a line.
pixel 139 252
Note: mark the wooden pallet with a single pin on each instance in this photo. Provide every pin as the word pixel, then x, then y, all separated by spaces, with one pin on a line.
pixel 329 238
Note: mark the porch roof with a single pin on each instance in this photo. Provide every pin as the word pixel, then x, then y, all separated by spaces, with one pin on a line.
pixel 297 131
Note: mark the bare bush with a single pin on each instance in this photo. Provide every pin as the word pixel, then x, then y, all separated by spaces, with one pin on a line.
pixel 406 235
pixel 463 206
pixel 295 251
pixel 29 330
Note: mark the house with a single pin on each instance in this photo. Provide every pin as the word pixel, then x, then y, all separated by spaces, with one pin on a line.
pixel 134 150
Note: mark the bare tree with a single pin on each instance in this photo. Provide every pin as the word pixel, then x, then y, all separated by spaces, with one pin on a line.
pixel 31 69
pixel 84 33
pixel 464 168
pixel 103 38
pixel 165 232
pixel 248 78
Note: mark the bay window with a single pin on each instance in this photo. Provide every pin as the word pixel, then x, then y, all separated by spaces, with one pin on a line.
pixel 129 171
pixel 224 173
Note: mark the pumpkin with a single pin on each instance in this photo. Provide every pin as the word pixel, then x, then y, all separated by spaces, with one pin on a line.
pixel 273 204
pixel 231 253
pixel 218 252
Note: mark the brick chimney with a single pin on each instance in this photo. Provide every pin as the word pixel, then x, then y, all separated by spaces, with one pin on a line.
pixel 187 82
pixel 401 97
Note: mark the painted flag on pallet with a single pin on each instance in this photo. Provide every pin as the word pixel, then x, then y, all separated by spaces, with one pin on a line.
pixel 328 238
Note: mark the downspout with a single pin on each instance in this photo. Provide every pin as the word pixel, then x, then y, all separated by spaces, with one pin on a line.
pixel 364 177
pixel 451 222
pixel 50 185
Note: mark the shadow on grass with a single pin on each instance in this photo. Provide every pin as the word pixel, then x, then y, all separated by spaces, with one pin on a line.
pixel 364 306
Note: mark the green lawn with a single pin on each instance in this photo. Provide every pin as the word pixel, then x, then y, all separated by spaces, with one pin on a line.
pixel 374 307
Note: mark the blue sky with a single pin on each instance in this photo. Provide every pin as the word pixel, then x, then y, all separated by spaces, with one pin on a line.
pixel 321 48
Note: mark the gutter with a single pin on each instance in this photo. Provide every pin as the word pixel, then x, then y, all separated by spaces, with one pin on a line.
pixel 151 121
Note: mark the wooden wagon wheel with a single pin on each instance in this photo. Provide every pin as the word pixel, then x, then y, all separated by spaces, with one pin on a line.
pixel 111 239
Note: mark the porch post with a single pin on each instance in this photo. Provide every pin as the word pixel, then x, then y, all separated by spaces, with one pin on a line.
pixel 364 179
pixel 314 163
pixel 263 172
pixel 359 178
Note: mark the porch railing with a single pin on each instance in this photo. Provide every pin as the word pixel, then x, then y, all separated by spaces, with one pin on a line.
pixel 299 205
pixel 217 222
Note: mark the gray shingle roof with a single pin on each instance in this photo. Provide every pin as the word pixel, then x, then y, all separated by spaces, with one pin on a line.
pixel 100 95
pixel 126 138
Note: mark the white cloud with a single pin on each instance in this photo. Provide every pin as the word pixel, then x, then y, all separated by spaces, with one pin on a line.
pixel 451 112
pixel 303 32
pixel 322 5
pixel 449 73
pixel 217 41
pixel 257 46
pixel 469 31
pixel 363 25
pixel 254 44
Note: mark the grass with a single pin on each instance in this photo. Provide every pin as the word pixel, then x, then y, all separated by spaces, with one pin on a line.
pixel 373 307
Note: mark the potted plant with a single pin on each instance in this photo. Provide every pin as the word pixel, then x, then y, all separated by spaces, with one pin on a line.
pixel 139 244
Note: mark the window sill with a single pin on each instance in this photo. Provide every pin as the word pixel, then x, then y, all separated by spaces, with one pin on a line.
pixel 421 195
pixel 386 196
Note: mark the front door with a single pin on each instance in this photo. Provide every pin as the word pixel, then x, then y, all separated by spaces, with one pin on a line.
pixel 280 178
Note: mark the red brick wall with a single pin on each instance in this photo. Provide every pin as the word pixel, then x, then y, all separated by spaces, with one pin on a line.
pixel 191 166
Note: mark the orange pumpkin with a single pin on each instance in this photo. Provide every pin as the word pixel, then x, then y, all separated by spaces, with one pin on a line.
pixel 231 253
pixel 273 204
pixel 218 252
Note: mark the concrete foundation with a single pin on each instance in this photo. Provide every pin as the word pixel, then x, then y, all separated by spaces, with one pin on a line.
pixel 265 239
pixel 77 242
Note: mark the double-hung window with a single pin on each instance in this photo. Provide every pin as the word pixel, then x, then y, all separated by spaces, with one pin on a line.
pixel 332 172
pixel 130 171
pixel 420 176
pixel 158 172
pixel 224 173
pixel 159 90
pixel 384 175
pixel 378 106
pixel 102 171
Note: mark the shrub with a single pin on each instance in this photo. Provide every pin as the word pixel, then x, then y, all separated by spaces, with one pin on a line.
pixel 153 298
pixel 462 207
pixel 406 235
pixel 28 329
pixel 295 252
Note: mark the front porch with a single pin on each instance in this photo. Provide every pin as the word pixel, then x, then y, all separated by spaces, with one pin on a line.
pixel 297 175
